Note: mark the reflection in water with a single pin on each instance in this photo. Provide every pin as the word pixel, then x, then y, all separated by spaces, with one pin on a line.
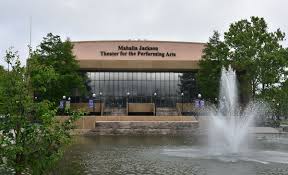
pixel 169 155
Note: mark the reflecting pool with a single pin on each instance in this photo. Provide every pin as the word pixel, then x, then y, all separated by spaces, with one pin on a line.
pixel 171 155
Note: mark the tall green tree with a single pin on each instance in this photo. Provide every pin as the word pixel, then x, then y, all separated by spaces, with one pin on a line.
pixel 31 139
pixel 188 85
pixel 278 97
pixel 253 52
pixel 214 58
pixel 1 69
pixel 56 57
pixel 2 73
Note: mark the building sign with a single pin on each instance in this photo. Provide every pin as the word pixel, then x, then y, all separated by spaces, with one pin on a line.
pixel 199 103
pixel 91 103
pixel 61 105
pixel 202 103
pixel 150 51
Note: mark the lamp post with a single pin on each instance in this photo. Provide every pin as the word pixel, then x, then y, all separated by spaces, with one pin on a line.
pixel 100 94
pixel 93 96
pixel 64 103
pixel 182 95
pixel 199 96
pixel 277 111
pixel 68 104
pixel 127 103
pixel 199 102
pixel 155 94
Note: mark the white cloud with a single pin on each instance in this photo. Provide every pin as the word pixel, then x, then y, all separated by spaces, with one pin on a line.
pixel 184 20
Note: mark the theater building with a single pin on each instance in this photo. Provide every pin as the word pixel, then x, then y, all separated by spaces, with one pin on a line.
pixel 140 77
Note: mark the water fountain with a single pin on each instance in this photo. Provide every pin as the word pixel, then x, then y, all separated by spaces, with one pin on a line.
pixel 230 123
pixel 228 129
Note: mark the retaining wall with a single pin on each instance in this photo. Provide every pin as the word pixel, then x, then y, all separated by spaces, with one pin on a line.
pixel 134 125
pixel 144 128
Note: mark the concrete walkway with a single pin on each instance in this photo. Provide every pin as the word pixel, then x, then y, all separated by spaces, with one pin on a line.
pixel 204 124
pixel 264 130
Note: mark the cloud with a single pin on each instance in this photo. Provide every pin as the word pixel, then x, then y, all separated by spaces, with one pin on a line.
pixel 181 20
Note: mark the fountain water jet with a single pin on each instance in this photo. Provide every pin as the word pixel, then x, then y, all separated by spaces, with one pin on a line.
pixel 230 124
pixel 229 128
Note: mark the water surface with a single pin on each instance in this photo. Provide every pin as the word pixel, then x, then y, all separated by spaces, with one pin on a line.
pixel 167 155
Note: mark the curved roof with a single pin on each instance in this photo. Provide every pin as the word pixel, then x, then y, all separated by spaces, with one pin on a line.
pixel 138 55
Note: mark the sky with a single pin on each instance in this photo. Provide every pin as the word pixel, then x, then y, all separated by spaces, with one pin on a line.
pixel 168 20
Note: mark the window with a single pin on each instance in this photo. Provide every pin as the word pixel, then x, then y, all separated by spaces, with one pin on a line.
pixel 167 84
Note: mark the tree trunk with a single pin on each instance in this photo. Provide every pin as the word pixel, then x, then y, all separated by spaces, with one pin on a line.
pixel 18 162
pixel 19 156
pixel 253 89
pixel 245 87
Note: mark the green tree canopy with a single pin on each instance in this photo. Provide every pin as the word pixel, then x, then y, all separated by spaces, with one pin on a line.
pixel 253 52
pixel 31 139
pixel 56 57
pixel 1 69
pixel 188 85
pixel 2 74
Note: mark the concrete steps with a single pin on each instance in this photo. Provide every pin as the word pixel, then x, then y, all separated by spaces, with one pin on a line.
pixel 115 111
pixel 165 111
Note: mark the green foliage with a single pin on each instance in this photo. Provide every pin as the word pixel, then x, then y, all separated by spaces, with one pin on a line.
pixel 188 84
pixel 1 70
pixel 53 70
pixel 2 73
pixel 31 139
pixel 284 122
pixel 278 98
pixel 214 58
pixel 252 51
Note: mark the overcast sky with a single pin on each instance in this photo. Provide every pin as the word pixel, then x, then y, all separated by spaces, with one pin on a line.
pixel 177 20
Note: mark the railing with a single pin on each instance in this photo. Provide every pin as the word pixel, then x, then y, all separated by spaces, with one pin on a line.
pixel 131 108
